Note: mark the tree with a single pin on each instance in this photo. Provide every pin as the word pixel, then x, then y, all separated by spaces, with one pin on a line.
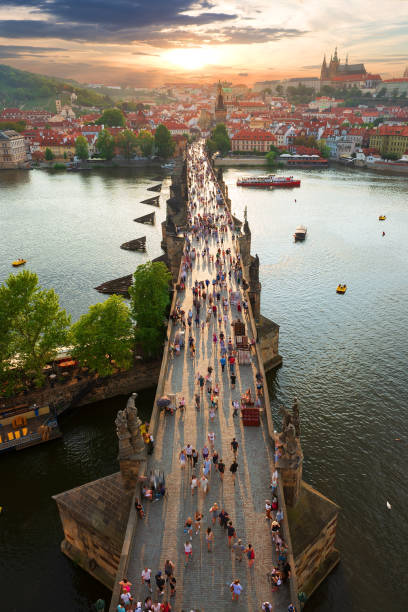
pixel 112 117
pixel 127 142
pixel 105 144
pixel 324 150
pixel 34 323
pixel 271 158
pixel 220 137
pixel 163 142
pixel 149 295
pixel 104 335
pixel 145 142
pixel 81 148
pixel 49 155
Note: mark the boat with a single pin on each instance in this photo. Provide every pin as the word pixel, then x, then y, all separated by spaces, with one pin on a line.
pixel 169 165
pixel 341 289
pixel 269 180
pixel 300 233
pixel 382 218
pixel 19 262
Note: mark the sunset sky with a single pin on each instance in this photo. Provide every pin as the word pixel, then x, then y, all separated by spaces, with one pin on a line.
pixel 149 42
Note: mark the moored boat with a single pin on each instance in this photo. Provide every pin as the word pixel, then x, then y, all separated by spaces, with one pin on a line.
pixel 341 289
pixel 270 180
pixel 382 218
pixel 19 262
pixel 300 233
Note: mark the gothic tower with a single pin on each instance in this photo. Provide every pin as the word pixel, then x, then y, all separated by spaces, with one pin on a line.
pixel 220 108
pixel 324 73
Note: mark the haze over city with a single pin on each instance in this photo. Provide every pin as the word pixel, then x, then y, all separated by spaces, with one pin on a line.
pixel 147 43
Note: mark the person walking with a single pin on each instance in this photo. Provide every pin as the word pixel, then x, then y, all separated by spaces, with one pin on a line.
pixel 214 512
pixel 188 551
pixel 236 589
pixel 197 521
pixel 146 578
pixel 235 407
pixel 233 470
pixel 172 584
pixel 231 533
pixel 221 469
pixel 168 569
pixel 211 438
pixel 209 538
pixel 238 549
pixel 215 459
pixel 160 582
pixel 182 458
pixel 195 457
pixel 188 527
pixel 234 447
pixel 250 553
pixel 204 484
pixel 223 363
pixel 205 452
pixel 194 483
pixel 207 467
pixel 189 453
pixel 233 380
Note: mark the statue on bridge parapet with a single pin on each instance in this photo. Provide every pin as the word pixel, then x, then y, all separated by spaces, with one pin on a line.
pixel 289 457
pixel 131 445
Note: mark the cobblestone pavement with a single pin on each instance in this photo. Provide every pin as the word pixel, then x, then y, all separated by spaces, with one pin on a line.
pixel 204 583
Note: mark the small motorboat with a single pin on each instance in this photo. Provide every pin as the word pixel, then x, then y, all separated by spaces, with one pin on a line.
pixel 300 233
pixel 341 289
pixel 382 218
pixel 19 262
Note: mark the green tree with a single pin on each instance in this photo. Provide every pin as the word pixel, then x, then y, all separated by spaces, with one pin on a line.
pixel 163 142
pixel 220 137
pixel 324 150
pixel 211 146
pixel 103 335
pixel 145 142
pixel 127 143
pixel 149 295
pixel 112 117
pixel 106 144
pixel 49 155
pixel 271 158
pixel 35 325
pixel 81 148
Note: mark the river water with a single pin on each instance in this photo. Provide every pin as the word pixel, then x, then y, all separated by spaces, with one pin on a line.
pixel 344 357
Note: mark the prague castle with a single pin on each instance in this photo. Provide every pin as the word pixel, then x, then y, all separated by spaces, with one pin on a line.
pixel 346 75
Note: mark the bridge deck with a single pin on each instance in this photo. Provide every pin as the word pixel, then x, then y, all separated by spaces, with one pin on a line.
pixel 204 583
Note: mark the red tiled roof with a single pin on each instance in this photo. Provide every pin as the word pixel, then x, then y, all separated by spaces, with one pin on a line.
pixel 254 135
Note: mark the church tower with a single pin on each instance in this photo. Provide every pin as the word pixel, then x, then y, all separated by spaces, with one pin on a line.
pixel 220 108
pixel 406 72
pixel 324 73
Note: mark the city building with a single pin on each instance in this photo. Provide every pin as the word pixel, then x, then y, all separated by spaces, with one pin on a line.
pixel 252 140
pixel 220 110
pixel 12 150
pixel 347 75
pixel 390 139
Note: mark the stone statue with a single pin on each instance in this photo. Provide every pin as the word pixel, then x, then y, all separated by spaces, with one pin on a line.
pixel 296 417
pixel 291 445
pixel 134 424
pixel 121 425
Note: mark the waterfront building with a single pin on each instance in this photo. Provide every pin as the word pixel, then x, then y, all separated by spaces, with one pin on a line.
pixel 253 140
pixel 12 150
pixel 390 139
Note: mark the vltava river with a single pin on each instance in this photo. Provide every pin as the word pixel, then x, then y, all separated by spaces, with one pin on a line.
pixel 344 357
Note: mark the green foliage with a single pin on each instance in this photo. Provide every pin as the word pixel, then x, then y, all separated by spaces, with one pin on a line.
pixel 150 298
pixel 219 140
pixel 81 148
pixel 103 335
pixel 106 144
pixel 112 117
pixel 18 126
pixel 127 143
pixel 390 156
pixel 32 325
pixel 323 149
pixel 49 155
pixel 163 142
pixel 306 141
pixel 271 158
pixel 300 94
pixel 58 166
pixel 145 142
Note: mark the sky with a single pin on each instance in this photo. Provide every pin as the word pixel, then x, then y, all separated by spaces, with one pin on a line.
pixel 143 43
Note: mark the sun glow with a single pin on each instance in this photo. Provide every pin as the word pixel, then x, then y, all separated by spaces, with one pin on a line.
pixel 191 59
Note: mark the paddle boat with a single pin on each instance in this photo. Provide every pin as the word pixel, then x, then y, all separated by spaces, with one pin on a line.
pixel 382 218
pixel 19 262
pixel 341 289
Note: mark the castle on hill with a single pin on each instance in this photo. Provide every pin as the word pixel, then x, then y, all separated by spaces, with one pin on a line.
pixel 333 70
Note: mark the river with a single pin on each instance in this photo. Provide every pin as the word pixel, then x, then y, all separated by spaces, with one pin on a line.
pixel 344 357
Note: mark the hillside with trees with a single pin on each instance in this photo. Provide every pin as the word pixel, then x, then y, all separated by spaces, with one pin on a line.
pixel 30 91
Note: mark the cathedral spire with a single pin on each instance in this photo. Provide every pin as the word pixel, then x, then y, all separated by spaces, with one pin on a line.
pixel 335 58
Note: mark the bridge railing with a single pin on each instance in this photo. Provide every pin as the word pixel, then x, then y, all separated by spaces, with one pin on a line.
pixel 269 420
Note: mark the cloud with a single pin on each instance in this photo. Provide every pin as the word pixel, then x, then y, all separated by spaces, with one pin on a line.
pixel 143 53
pixel 243 74
pixel 312 67
pixel 13 51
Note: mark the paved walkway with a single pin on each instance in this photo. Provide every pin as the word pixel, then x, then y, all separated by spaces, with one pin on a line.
pixel 204 583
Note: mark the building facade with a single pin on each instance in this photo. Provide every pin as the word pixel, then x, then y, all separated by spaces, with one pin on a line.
pixel 253 140
pixel 12 150
pixel 390 139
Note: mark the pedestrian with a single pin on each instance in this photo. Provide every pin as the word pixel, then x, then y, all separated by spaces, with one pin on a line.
pixel 214 512
pixel 148 603
pixel 215 458
pixel 204 484
pixel 165 606
pixel 221 469
pixel 238 549
pixel 223 362
pixel 250 553
pixel 120 608
pixel 125 584
pixel 146 574
pixel 207 467
pixel 194 483
pixel 236 589
pixel 160 582
pixel 205 452
pixel 188 551
pixel 233 379
pixel 172 583
pixel 231 533
pixel 168 568
pixel 267 607
pixel 197 521
pixel 233 470
pixel 211 438
pixel 209 538
pixel 268 508
pixel 234 447
pixel 235 406
pixel 223 517
pixel 126 599
pixel 188 527
pixel 182 458
pixel 195 457
pixel 189 453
